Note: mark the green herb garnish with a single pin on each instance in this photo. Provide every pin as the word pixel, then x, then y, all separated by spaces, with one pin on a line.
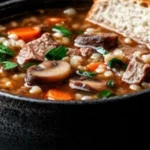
pixel 5 50
pixel 29 64
pixel 62 30
pixel 104 94
pixel 102 51
pixel 56 53
pixel 7 65
pixel 117 63
pixel 86 73
pixel 111 84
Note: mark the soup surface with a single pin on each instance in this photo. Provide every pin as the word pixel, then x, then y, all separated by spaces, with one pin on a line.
pixel 54 54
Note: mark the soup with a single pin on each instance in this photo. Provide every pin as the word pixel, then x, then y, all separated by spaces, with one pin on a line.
pixel 54 54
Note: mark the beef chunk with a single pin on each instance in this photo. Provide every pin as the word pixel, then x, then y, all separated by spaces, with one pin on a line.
pixel 36 49
pixel 106 40
pixel 84 51
pixel 137 71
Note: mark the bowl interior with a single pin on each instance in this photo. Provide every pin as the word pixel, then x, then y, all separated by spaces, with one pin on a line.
pixel 16 8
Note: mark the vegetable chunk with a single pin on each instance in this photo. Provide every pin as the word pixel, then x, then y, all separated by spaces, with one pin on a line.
pixel 26 33
pixel 55 94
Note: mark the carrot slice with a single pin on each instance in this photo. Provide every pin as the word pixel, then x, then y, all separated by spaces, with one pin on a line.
pixel 54 20
pixel 94 65
pixel 56 94
pixel 26 33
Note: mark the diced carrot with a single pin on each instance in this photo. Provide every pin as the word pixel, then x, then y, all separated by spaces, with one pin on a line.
pixel 26 33
pixel 54 20
pixel 94 65
pixel 56 94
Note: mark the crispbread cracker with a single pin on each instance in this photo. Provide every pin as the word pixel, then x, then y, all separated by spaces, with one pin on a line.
pixel 131 18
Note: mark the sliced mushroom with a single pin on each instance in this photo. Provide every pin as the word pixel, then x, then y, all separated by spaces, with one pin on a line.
pixel 87 85
pixel 48 71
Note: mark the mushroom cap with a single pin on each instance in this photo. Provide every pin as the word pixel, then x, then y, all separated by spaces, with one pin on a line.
pixel 48 71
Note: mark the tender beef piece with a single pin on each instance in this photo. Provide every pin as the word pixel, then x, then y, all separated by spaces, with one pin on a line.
pixel 137 71
pixel 106 40
pixel 36 49
pixel 84 51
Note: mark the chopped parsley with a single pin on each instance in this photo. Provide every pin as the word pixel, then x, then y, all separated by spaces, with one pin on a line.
pixel 4 53
pixel 110 84
pixel 62 30
pixel 104 94
pixel 56 53
pixel 86 73
pixel 7 65
pixel 117 63
pixel 5 50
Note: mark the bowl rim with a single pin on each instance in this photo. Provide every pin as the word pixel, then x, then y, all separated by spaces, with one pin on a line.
pixel 75 102
pixel 72 102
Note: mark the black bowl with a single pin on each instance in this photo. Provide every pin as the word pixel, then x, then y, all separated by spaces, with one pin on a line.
pixel 34 124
